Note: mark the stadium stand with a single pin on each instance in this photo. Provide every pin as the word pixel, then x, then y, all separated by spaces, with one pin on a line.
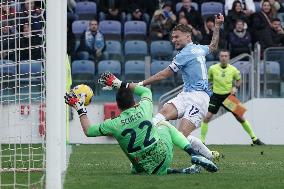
pixel 135 50
pixel 111 29
pixel 128 42
pixel 112 66
pixel 135 30
pixel 86 10
pixel 83 71
pixel 161 50
pixel 79 26
pixel 113 50
pixel 193 4
pixel 211 8
pixel 134 71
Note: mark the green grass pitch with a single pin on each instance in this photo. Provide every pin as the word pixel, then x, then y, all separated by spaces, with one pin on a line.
pixel 240 166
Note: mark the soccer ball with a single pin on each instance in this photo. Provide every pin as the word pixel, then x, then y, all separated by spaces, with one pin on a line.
pixel 84 89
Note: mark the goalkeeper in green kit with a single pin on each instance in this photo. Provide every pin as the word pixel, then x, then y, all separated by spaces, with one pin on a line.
pixel 148 147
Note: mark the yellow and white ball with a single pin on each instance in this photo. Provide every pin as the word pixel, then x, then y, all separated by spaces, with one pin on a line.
pixel 86 90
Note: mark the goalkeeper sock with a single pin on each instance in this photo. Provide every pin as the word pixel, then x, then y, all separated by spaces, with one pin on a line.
pixel 199 147
pixel 248 129
pixel 158 118
pixel 177 137
pixel 204 130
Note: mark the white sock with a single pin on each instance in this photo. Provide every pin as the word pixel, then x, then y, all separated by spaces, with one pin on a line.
pixel 198 146
pixel 158 118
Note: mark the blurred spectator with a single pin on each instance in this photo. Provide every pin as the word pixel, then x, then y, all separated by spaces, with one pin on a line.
pixel 92 41
pixel 196 34
pixel 7 39
pixel 7 12
pixel 239 39
pixel 112 10
pixel 146 6
pixel 71 16
pixel 207 33
pixel 247 5
pixel 277 33
pixel 261 25
pixel 160 27
pixel 29 10
pixel 193 16
pixel 237 13
pixel 275 6
pixel 30 44
pixel 168 12
pixel 135 13
pixel 71 4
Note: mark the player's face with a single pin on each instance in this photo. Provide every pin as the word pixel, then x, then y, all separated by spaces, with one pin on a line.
pixel 180 39
pixel 224 58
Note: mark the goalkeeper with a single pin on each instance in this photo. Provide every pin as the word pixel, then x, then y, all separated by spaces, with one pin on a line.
pixel 222 76
pixel 149 148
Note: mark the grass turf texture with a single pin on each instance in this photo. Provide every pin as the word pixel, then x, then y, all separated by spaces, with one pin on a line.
pixel 21 157
pixel 105 166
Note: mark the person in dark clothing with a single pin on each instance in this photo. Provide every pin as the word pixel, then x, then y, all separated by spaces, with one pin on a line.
pixel 239 39
pixel 261 26
pixel 146 6
pixel 31 46
pixel 92 41
pixel 135 13
pixel 235 14
pixel 112 10
pixel 207 33
pixel 33 10
pixel 193 16
pixel 277 33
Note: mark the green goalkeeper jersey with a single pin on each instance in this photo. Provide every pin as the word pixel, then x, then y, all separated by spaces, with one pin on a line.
pixel 135 133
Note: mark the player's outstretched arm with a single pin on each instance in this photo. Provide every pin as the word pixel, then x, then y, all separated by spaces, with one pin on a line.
pixel 76 102
pixel 219 19
pixel 108 80
pixel 164 74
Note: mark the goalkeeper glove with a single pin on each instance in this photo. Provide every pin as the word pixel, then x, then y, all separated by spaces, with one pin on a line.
pixel 111 82
pixel 76 102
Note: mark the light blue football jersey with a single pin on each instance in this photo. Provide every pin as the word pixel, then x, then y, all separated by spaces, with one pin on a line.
pixel 191 62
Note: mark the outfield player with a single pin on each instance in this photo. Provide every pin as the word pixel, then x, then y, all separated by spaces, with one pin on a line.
pixel 149 148
pixel 222 76
pixel 191 105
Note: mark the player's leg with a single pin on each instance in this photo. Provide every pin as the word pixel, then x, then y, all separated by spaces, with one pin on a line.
pixel 213 108
pixel 168 112
pixel 186 127
pixel 204 126
pixel 173 109
pixel 247 127
pixel 170 134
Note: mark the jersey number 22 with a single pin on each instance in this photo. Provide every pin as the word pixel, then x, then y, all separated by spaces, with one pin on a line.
pixel 147 140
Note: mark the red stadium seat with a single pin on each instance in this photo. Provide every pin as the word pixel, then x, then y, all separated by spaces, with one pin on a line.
pixel 111 111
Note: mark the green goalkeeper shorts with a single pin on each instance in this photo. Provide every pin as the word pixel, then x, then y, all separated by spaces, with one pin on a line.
pixel 164 148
